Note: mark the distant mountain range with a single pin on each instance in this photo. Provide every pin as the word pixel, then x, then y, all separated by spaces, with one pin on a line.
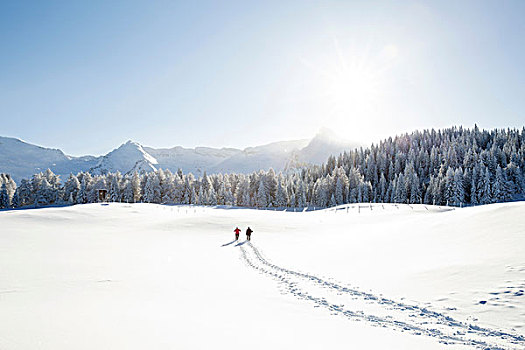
pixel 22 160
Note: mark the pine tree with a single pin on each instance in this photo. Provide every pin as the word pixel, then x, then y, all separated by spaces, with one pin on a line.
pixel 127 193
pixel 280 197
pixel 4 197
pixel 450 187
pixel 15 203
pixel 382 192
pixel 44 195
pixel 11 189
pixel 152 192
pixel 212 197
pixel 193 196
pixel 458 197
pixel 114 187
pixel 71 188
pixel 262 200
pixel 229 198
pixel 485 195
pixel 401 190
pixel 500 190
pixel 270 186
pixel 82 195
pixel 25 193
pixel 338 197
pixel 221 194
pixel 136 188
pixel 415 191
pixel 205 183
pixel 516 184
pixel 332 201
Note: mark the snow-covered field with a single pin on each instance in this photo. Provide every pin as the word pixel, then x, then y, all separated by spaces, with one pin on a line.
pixel 146 276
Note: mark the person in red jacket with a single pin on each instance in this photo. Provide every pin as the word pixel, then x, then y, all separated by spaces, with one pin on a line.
pixel 237 231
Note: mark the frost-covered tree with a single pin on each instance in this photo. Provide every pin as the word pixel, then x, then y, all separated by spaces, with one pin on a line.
pixel 485 194
pixel 458 195
pixel 415 191
pixel 45 194
pixel 71 189
pixel 401 189
pixel 332 201
pixel 24 193
pixel 500 187
pixel 115 191
pixel 136 187
pixel 127 194
pixel 270 186
pixel 85 182
pixel 4 197
pixel 281 199
pixel 7 180
pixel 262 198
pixel 152 192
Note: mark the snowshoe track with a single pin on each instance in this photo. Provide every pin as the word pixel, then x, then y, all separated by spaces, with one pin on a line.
pixel 378 311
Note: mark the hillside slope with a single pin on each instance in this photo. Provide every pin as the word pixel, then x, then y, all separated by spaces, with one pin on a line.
pixel 21 159
pixel 361 276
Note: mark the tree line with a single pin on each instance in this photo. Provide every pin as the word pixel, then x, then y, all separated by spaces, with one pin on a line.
pixel 453 166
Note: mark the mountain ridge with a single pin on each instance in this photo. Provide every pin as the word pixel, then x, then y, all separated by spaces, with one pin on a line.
pixel 22 159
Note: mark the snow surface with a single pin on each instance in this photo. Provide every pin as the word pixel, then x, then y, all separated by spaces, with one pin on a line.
pixel 122 276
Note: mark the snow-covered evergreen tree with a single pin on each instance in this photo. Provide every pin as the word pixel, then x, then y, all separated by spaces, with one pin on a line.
pixel 127 195
pixel 332 201
pixel 71 189
pixel 281 199
pixel 4 197
pixel 114 192
pixel 500 187
pixel 152 193
pixel 262 198
pixel 458 196
pixel 136 187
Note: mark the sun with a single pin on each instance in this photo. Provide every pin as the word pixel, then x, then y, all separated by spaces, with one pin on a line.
pixel 353 86
pixel 351 89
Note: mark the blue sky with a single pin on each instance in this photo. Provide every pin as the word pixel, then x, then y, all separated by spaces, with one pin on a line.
pixel 87 76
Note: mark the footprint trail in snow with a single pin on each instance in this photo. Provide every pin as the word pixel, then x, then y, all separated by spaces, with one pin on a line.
pixel 378 311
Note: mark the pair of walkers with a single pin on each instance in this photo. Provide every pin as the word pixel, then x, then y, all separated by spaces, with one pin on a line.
pixel 248 233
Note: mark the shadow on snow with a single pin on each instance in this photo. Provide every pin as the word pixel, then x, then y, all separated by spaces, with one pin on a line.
pixel 225 244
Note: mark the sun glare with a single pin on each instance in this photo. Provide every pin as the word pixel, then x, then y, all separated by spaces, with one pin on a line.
pixel 353 86
pixel 352 89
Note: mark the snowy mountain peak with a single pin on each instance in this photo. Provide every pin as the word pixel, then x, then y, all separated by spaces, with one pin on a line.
pixel 127 158
pixel 325 135
pixel 325 132
pixel 323 145
pixel 131 143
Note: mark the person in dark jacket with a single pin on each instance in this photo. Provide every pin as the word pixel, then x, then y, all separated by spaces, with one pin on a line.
pixel 249 234
pixel 237 232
